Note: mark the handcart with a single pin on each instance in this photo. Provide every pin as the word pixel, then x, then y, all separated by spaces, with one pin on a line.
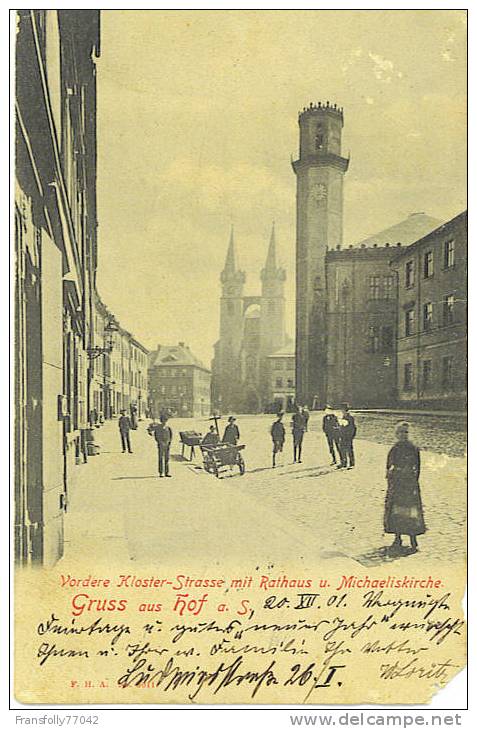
pixel 223 456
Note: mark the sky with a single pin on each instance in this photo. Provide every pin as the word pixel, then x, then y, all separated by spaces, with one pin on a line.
pixel 198 121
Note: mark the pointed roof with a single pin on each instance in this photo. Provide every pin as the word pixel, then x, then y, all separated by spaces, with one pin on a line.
pixel 271 262
pixel 230 257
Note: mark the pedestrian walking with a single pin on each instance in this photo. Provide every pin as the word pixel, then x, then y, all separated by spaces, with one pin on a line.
pixel 306 416
pixel 124 424
pixel 403 512
pixel 278 437
pixel 331 429
pixel 347 435
pixel 298 431
pixel 163 436
pixel 133 409
pixel 231 432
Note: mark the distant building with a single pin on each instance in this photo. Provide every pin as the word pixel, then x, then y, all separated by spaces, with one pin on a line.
pixel 432 317
pixel 178 382
pixel 251 328
pixel 120 372
pixel 281 373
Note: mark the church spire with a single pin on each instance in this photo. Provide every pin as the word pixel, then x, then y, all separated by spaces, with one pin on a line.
pixel 229 267
pixel 230 274
pixel 271 262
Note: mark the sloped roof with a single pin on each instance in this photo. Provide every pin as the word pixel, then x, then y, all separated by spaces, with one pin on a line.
pixel 174 356
pixel 409 230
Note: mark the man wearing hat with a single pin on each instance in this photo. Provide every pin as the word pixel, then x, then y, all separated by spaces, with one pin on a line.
pixel 231 432
pixel 124 424
pixel 347 435
pixel 163 437
pixel 278 437
pixel 331 429
pixel 298 424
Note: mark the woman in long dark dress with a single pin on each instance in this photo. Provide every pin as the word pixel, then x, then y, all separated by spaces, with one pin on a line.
pixel 403 513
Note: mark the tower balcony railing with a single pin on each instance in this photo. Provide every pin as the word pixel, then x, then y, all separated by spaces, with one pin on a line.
pixel 321 159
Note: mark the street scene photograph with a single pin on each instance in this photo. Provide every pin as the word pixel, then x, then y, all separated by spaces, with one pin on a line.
pixel 240 312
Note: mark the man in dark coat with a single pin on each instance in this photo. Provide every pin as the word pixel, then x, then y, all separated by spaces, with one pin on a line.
pixel 278 437
pixel 163 436
pixel 347 435
pixel 331 429
pixel 231 432
pixel 212 437
pixel 298 424
pixel 124 424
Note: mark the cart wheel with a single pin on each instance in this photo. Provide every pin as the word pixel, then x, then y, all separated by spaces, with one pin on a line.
pixel 241 465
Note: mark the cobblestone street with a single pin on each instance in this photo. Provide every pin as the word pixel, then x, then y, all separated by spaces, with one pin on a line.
pixel 307 510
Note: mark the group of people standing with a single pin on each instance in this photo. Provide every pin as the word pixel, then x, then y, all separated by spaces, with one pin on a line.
pixel 339 432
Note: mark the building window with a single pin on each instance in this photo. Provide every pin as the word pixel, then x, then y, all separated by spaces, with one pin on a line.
pixel 428 264
pixel 388 287
pixel 409 322
pixel 319 138
pixel 449 254
pixel 290 382
pixel 447 373
pixel 408 376
pixel 374 282
pixel 387 340
pixel 279 382
pixel 448 309
pixel 373 339
pixel 230 307
pixel 427 316
pixel 426 374
pixel 278 364
pixel 409 274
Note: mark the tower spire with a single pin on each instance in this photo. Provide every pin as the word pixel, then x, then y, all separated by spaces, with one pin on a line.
pixel 230 257
pixel 271 262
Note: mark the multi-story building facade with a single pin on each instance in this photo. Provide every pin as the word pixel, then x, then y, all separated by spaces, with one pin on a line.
pixel 55 258
pixel 178 382
pixel 281 374
pixel 251 328
pixel 361 310
pixel 432 318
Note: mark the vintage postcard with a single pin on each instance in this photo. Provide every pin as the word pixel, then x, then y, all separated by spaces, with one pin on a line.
pixel 240 356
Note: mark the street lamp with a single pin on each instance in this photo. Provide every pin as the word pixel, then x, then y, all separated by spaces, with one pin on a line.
pixel 109 329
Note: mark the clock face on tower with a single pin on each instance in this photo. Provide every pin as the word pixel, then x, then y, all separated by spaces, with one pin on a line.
pixel 319 192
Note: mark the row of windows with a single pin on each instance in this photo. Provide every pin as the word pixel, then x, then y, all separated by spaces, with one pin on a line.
pixel 380 339
pixel 173 372
pixel 429 378
pixel 428 267
pixel 428 316
pixel 279 382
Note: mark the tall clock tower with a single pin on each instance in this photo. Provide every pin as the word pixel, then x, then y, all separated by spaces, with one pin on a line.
pixel 319 171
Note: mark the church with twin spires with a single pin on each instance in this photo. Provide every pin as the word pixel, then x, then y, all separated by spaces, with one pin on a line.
pixel 251 329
